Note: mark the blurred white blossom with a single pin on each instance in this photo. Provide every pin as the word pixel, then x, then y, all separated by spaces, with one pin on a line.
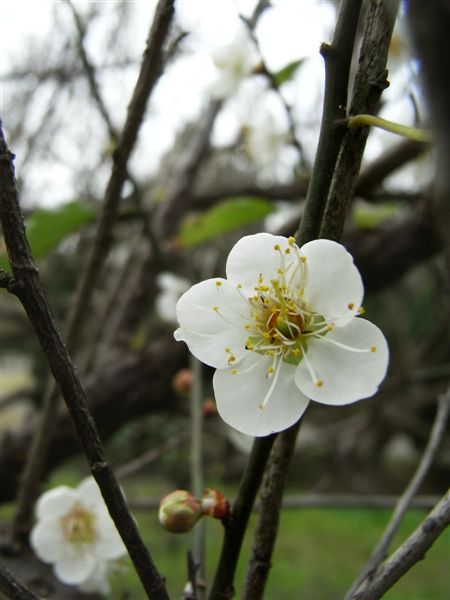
pixel 265 137
pixel 234 62
pixel 172 288
pixel 75 533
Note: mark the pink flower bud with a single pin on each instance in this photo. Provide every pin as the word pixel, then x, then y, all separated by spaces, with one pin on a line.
pixel 215 504
pixel 182 381
pixel 179 511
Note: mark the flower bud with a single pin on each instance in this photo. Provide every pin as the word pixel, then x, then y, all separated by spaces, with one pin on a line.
pixel 182 381
pixel 215 504
pixel 179 511
pixel 209 407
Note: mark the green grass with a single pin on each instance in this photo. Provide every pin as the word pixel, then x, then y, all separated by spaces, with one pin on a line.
pixel 318 554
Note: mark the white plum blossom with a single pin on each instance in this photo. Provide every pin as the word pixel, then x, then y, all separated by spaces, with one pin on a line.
pixel 265 139
pixel 172 287
pixel 234 62
pixel 282 329
pixel 75 533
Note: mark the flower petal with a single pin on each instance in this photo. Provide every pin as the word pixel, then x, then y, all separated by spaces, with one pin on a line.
pixel 347 376
pixel 255 255
pixel 212 316
pixel 334 287
pixel 109 544
pixel 75 565
pixel 47 538
pixel 239 397
pixel 56 502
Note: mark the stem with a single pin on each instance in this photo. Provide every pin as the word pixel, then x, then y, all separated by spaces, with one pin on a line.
pixel 409 553
pixel 13 588
pixel 370 81
pixel 337 69
pixel 434 441
pixel 33 298
pixel 197 482
pixel 412 133
pixel 148 76
pixel 271 502
pixel 223 587
pixel 338 58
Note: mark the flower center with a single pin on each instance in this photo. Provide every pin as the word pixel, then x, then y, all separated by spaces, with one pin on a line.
pixel 282 322
pixel 79 526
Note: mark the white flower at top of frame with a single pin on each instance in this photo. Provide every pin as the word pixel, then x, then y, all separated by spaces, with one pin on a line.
pixel 75 533
pixel 265 137
pixel 283 328
pixel 172 288
pixel 234 62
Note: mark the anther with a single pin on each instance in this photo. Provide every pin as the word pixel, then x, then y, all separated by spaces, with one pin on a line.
pixel 319 383
pixel 218 283
pixel 350 306
pixel 373 348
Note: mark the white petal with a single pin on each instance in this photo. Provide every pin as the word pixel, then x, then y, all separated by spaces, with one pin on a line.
pixel 90 495
pixel 74 567
pixel 47 538
pixel 239 397
pixel 109 544
pixel 212 319
pixel 56 502
pixel 347 376
pixel 255 255
pixel 334 287
pixel 98 581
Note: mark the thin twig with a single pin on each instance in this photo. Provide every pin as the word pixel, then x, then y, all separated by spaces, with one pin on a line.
pixel 33 298
pixel 13 588
pixel 151 456
pixel 197 478
pixel 148 76
pixel 404 502
pixel 409 553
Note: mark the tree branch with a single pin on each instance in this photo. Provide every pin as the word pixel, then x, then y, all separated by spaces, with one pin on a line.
pixel 370 81
pixel 223 586
pixel 380 551
pixel 148 76
pixel 337 57
pixel 13 588
pixel 33 298
pixel 409 553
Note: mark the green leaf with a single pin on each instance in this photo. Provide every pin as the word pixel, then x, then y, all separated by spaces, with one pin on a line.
pixel 46 228
pixel 370 216
pixel 287 72
pixel 227 215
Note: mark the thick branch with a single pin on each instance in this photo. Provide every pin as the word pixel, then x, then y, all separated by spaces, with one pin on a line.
pixel 34 300
pixel 148 76
pixel 337 57
pixel 223 586
pixel 437 432
pixel 337 68
pixel 409 553
pixel 370 81
pixel 13 588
